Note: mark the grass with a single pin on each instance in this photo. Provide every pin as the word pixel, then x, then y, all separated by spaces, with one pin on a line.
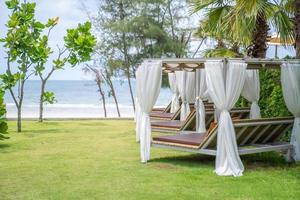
pixel 100 160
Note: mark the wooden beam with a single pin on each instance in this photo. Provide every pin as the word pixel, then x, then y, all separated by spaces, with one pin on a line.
pixel 175 64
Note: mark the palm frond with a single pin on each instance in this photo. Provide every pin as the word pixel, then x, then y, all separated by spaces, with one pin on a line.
pixel 221 52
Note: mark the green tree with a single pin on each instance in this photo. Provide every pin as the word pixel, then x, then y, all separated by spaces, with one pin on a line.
pixel 294 7
pixel 248 22
pixel 78 47
pixel 3 124
pixel 133 30
pixel 24 44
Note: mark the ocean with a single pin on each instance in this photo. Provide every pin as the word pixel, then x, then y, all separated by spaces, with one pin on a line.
pixel 78 99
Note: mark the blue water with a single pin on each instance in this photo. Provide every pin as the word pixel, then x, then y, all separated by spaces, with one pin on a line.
pixel 79 98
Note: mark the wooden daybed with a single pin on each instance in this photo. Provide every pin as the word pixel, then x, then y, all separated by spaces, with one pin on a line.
pixel 252 135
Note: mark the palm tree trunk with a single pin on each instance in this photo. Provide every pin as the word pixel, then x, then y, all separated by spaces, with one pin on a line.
pixel 259 38
pixel 297 28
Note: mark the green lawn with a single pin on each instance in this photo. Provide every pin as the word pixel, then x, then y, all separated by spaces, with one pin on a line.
pixel 100 160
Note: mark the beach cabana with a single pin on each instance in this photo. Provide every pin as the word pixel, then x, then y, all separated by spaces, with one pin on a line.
pixel 226 80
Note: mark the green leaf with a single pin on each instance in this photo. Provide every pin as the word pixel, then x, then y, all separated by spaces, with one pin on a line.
pixel 12 4
pixel 39 25
pixel 49 97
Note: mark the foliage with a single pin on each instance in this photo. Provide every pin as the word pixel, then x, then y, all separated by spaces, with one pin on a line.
pixel 236 20
pixel 135 30
pixel 220 52
pixel 25 47
pixel 80 43
pixel 24 42
pixel 28 51
pixel 271 102
pixel 3 123
pixel 49 97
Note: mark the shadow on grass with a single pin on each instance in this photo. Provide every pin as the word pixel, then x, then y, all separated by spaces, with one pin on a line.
pixel 89 124
pixel 188 161
pixel 47 123
pixel 251 162
pixel 33 133
pixel 3 146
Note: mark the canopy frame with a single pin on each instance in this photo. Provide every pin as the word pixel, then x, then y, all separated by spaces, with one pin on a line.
pixel 190 64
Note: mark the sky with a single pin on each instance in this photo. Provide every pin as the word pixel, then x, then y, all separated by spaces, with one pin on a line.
pixel 70 13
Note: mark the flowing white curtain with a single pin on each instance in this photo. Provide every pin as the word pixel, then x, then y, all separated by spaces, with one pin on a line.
pixel 202 88
pixel 137 112
pixel 148 86
pixel 186 86
pixel 251 92
pixel 175 97
pixel 137 118
pixel 290 80
pixel 224 94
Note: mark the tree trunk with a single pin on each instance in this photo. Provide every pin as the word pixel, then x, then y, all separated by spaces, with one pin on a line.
pixel 259 38
pixel 19 107
pixel 125 53
pixel 102 96
pixel 19 121
pixel 220 44
pixel 297 28
pixel 131 92
pixel 41 101
pixel 114 96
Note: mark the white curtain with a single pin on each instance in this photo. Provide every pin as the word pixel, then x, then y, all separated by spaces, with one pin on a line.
pixel 175 97
pixel 251 92
pixel 186 86
pixel 225 93
pixel 290 80
pixel 136 119
pixel 148 82
pixel 202 88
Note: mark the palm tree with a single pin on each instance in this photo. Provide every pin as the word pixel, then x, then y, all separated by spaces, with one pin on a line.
pixel 210 28
pixel 248 22
pixel 296 5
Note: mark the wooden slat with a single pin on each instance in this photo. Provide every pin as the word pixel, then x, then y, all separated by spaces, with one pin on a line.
pixel 249 135
pixel 272 133
pixel 209 138
pixel 211 118
pixel 238 135
pixel 260 134
pixel 284 131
